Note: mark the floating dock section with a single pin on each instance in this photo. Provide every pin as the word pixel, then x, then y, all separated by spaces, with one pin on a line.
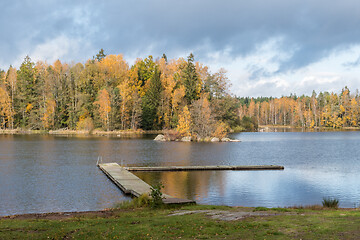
pixel 205 168
pixel 131 184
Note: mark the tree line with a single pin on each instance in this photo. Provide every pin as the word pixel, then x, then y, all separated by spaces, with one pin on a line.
pixel 318 110
pixel 153 94
pixel 107 93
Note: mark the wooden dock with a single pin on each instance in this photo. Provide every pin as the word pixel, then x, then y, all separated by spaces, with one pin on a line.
pixel 131 184
pixel 205 168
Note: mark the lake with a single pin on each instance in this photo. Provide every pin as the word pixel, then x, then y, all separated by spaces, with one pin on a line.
pixel 42 173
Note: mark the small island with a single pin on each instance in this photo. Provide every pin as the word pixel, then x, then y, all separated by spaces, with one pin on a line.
pixel 166 138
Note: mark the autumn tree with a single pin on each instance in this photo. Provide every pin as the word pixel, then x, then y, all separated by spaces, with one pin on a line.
pixel 201 118
pixel 5 108
pixel 354 112
pixel 10 83
pixel 104 108
pixel 184 122
pixel 125 94
pixel 136 94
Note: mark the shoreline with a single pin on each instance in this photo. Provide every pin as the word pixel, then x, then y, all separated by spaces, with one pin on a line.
pixel 79 132
pixel 118 133
pixel 107 212
pixel 324 129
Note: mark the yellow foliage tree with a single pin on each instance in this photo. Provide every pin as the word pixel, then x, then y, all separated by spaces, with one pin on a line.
pixel 104 107
pixel 125 97
pixel 113 70
pixel 11 82
pixel 48 117
pixel 183 126
pixel 85 123
pixel 5 107
pixel 221 130
pixel 354 112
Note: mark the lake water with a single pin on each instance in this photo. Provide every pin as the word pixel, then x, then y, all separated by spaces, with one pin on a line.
pixel 41 173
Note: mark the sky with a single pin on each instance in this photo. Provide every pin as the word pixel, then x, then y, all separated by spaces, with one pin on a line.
pixel 269 48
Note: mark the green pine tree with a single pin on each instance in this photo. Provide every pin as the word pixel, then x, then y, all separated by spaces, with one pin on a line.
pixel 190 80
pixel 100 55
pixel 151 103
pixel 25 101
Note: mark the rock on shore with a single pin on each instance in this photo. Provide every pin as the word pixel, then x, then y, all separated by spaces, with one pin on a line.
pixel 186 139
pixel 160 138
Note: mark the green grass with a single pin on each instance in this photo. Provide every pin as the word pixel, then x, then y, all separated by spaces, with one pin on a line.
pixel 148 223
pixel 257 209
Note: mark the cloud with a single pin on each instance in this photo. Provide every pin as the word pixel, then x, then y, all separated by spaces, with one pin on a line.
pixel 352 64
pixel 58 48
pixel 327 74
pixel 29 26
pixel 259 42
pixel 308 26
pixel 275 86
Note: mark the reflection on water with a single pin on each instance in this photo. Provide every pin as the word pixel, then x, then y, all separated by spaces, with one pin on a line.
pixel 194 185
pixel 49 173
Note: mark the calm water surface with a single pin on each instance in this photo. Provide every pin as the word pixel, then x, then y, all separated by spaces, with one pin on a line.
pixel 48 173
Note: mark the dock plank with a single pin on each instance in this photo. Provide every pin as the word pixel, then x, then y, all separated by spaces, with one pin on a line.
pixel 205 168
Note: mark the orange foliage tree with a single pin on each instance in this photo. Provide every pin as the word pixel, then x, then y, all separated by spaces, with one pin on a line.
pixel 103 103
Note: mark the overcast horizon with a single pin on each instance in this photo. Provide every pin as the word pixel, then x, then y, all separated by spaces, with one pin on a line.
pixel 268 48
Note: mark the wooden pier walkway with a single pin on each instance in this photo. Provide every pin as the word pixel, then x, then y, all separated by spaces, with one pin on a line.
pixel 131 184
pixel 205 168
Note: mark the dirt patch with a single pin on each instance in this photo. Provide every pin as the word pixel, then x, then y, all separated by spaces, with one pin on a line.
pixel 226 215
pixel 64 215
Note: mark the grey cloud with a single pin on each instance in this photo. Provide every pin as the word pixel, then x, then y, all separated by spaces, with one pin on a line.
pixel 259 72
pixel 26 24
pixel 352 64
pixel 314 28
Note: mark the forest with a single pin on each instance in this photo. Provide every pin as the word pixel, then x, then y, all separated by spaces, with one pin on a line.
pixel 106 93
pixel 318 110
pixel 153 94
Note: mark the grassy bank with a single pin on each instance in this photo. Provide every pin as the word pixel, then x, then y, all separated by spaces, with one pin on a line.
pixel 189 222
pixel 66 132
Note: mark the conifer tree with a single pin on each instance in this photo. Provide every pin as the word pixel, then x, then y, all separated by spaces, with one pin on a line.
pixel 26 97
pixel 190 80
pixel 151 102
pixel 100 55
